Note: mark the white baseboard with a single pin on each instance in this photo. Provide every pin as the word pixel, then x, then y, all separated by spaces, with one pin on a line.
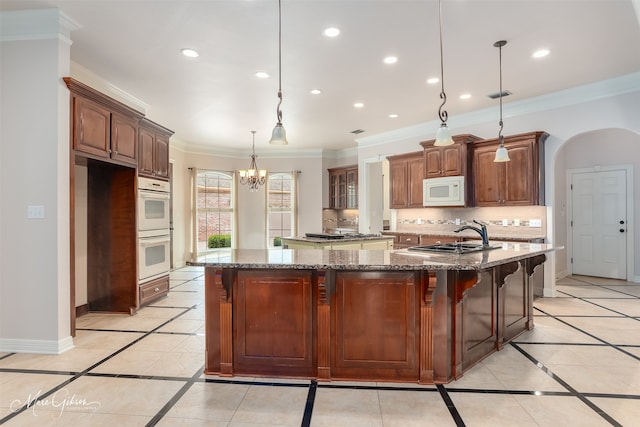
pixel 562 274
pixel 636 279
pixel 12 345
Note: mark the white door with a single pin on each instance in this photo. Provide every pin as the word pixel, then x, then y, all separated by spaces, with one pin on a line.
pixel 599 224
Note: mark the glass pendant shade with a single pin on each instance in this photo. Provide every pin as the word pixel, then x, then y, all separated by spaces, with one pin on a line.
pixel 279 135
pixel 502 155
pixel 443 136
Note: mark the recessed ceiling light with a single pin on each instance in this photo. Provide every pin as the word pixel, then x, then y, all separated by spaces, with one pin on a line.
pixel 540 53
pixel 358 105
pixel 393 116
pixel 331 32
pixel 316 91
pixel 465 96
pixel 262 75
pixel 190 53
pixel 390 60
pixel 433 80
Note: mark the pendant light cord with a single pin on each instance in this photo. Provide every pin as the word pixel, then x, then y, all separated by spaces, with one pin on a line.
pixel 278 111
pixel 499 45
pixel 441 113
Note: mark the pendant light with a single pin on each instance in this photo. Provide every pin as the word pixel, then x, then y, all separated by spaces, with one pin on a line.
pixel 443 135
pixel 502 155
pixel 253 177
pixel 279 136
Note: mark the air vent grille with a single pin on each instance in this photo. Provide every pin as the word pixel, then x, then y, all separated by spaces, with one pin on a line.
pixel 357 131
pixel 497 94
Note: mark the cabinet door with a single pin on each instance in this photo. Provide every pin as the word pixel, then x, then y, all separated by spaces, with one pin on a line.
pixel 92 130
pixel 451 158
pixel 519 176
pixel 488 176
pixel 161 157
pixel 352 188
pixel 415 172
pixel 124 135
pixel 398 185
pixel 146 147
pixel 433 162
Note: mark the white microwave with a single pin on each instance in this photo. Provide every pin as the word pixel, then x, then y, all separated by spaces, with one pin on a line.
pixel 445 191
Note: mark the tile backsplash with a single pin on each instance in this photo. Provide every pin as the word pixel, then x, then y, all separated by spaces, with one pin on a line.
pixel 515 221
pixel 340 220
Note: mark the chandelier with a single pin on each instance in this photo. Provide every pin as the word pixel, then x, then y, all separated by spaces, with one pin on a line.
pixel 253 177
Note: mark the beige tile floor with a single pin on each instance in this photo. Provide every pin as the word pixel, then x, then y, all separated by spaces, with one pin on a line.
pixel 579 366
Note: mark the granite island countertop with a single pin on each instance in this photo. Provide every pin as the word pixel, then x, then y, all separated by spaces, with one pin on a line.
pixel 337 238
pixel 467 234
pixel 373 260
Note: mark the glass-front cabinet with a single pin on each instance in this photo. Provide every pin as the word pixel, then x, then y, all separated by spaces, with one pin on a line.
pixel 343 187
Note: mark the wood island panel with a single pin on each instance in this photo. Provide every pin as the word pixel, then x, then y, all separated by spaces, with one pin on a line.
pixel 375 326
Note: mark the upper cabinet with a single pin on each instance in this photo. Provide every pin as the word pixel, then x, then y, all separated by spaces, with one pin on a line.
pixel 153 161
pixel 518 182
pixel 103 128
pixel 406 172
pixel 450 160
pixel 343 187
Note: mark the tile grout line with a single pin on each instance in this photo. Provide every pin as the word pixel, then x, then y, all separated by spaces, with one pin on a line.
pixel 86 371
pixel 553 316
pixel 619 313
pixel 457 418
pixel 308 407
pixel 564 384
pixel 176 397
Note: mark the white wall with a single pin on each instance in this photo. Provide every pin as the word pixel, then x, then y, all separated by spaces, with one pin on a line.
pixel 605 147
pixel 34 158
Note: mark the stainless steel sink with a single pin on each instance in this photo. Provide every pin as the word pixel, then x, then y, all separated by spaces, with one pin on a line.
pixel 455 248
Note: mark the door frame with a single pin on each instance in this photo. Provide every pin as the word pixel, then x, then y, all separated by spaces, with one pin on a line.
pixel 628 168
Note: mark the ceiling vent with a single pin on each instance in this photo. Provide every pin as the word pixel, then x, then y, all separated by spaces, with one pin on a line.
pixel 497 94
pixel 357 131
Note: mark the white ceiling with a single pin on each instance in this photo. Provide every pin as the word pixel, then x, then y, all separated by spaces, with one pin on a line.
pixel 216 100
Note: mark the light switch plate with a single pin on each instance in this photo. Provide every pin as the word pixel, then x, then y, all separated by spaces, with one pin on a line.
pixel 457 221
pixel 35 212
pixel 505 222
pixel 516 223
pixel 535 223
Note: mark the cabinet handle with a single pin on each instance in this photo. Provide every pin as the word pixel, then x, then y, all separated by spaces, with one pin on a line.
pixel 156 290
pixel 109 151
pixel 115 152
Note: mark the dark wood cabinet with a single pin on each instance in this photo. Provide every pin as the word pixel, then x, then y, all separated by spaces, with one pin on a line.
pixel 406 172
pixel 343 187
pixel 153 290
pixel 103 128
pixel 153 160
pixel 519 182
pixel 450 160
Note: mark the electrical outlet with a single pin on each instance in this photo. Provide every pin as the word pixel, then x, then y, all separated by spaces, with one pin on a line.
pixel 457 221
pixel 535 223
pixel 505 222
pixel 419 221
pixel 516 223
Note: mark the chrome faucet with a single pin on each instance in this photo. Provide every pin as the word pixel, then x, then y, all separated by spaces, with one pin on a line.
pixel 482 231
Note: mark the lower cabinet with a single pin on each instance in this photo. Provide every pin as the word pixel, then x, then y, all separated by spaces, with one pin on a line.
pixel 153 290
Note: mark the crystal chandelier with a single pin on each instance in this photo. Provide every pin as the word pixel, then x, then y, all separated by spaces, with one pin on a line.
pixel 253 177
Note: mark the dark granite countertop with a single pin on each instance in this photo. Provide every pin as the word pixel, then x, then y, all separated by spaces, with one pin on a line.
pixel 401 259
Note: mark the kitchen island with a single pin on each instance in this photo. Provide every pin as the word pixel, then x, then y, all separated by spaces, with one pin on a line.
pixel 366 315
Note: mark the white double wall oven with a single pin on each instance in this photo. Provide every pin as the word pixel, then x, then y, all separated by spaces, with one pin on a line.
pixel 154 241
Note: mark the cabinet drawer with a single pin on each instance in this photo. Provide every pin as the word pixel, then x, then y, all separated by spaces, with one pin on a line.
pixel 153 290
pixel 406 240
pixel 427 239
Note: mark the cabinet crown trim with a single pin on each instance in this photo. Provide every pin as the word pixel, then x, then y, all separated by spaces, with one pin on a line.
pixel 78 88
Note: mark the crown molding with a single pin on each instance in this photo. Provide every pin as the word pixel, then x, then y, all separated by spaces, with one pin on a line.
pixel 578 95
pixel 36 24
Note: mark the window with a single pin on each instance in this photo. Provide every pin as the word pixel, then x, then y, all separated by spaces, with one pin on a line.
pixel 281 207
pixel 214 211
